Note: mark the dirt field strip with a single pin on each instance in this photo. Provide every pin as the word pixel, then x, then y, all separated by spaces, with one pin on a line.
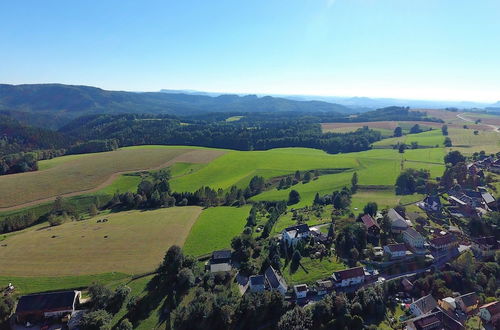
pixel 193 156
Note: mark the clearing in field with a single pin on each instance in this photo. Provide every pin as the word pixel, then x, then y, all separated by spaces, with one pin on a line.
pixel 129 242
pixel 215 228
pixel 79 174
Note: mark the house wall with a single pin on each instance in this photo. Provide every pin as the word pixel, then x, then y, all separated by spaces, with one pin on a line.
pixel 352 281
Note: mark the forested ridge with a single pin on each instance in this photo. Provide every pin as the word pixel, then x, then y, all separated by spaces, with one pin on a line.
pixel 21 146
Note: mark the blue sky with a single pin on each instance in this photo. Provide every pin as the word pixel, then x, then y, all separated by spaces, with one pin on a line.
pixel 422 49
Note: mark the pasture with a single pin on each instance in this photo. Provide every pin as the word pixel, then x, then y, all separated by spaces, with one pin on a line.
pixel 78 174
pixel 429 138
pixel 129 242
pixel 385 127
pixel 215 228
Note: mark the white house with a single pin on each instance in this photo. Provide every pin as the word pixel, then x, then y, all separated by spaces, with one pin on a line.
pixel 274 281
pixel 413 238
pixel 292 235
pixel 394 251
pixel 348 277
pixel 300 291
pixel 257 283
pixel 423 305
pixel 398 223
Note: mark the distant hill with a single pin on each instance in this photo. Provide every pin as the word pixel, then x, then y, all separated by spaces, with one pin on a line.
pixel 41 104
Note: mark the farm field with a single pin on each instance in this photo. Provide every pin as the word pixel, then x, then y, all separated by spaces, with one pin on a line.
pixel 385 127
pixel 238 167
pixel 129 242
pixel 215 228
pixel 429 138
pixel 70 175
pixel 375 168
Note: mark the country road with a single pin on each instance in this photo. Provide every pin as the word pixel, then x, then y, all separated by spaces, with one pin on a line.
pixel 494 127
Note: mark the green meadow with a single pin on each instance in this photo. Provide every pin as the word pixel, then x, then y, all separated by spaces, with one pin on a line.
pixel 215 228
pixel 430 138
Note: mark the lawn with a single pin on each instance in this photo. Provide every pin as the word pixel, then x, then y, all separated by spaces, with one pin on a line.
pixel 315 269
pixel 215 228
pixel 71 174
pixel 130 242
pixel 383 198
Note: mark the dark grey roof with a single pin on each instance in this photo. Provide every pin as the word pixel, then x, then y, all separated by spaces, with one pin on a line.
pixel 426 304
pixel 488 198
pixel 221 254
pixel 302 228
pixel 432 199
pixel 273 278
pixel 473 194
pixel 469 299
pixel 52 301
pixel 257 280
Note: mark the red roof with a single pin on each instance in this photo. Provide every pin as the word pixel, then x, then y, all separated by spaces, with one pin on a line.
pixel 396 247
pixel 443 240
pixel 368 221
pixel 349 273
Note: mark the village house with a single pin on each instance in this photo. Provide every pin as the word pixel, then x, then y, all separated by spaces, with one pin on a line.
pixel 423 305
pixel 324 286
pixel 37 307
pixel 348 277
pixel 431 204
pixel 300 291
pixel 371 225
pixel 485 247
pixel 398 223
pixel 443 242
pixel 395 251
pixel 274 281
pixel 489 200
pixel 463 204
pixel 448 304
pixel 467 302
pixel 257 283
pixel 220 261
pixel 425 322
pixel 414 239
pixel 407 284
pixel 292 235
pixel 490 313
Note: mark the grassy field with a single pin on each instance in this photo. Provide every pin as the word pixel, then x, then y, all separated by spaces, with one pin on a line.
pixel 77 173
pixel 429 138
pixel 130 242
pixel 238 167
pixel 383 198
pixel 312 270
pixel 215 228
pixel 378 167
pixel 26 285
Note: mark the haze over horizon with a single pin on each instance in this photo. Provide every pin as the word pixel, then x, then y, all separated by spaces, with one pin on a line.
pixel 421 50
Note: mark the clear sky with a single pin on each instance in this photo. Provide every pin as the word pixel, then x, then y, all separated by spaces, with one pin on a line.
pixel 423 49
